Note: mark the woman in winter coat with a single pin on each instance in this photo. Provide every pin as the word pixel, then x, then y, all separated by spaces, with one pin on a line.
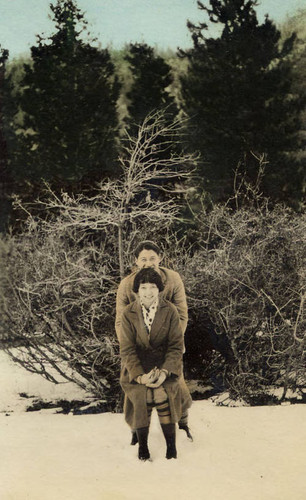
pixel 151 349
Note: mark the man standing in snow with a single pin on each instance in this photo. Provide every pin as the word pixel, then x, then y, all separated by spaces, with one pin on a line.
pixel 148 254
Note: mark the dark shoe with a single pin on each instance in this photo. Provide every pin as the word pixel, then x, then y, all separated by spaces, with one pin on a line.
pixel 143 450
pixel 169 433
pixel 134 438
pixel 144 455
pixel 186 429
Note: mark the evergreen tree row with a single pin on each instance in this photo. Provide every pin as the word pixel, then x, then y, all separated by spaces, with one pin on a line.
pixel 238 96
pixel 62 112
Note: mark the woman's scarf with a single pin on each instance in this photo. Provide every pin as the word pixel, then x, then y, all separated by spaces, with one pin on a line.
pixel 149 314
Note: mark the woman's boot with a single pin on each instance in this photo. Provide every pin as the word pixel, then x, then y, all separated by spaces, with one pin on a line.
pixel 143 450
pixel 169 433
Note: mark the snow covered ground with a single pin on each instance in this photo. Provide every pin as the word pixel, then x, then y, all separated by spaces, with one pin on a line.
pixel 238 453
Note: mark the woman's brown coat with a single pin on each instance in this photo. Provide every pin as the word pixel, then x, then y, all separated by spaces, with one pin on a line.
pixel 141 352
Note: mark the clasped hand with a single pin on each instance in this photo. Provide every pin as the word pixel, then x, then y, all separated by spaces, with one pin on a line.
pixel 155 378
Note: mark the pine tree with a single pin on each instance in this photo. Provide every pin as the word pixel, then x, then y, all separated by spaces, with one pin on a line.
pixel 297 23
pixel 4 174
pixel 151 79
pixel 149 93
pixel 237 94
pixel 68 100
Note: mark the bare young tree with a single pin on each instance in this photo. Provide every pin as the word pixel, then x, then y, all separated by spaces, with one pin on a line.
pixel 148 162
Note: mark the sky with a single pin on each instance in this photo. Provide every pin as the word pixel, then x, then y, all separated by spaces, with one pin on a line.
pixel 159 23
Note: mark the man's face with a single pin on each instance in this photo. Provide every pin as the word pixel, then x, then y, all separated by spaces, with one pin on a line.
pixel 148 258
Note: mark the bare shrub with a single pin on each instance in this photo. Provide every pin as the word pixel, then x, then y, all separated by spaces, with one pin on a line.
pixel 243 265
pixel 58 297
pixel 246 281
pixel 60 275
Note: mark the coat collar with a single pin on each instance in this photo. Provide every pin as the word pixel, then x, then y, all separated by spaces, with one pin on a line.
pixel 136 307
pixel 156 325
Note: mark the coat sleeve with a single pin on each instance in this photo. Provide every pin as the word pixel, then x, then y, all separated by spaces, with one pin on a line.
pixel 174 355
pixel 180 302
pixel 128 353
pixel 121 302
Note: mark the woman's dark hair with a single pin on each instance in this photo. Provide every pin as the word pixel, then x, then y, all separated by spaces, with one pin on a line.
pixel 147 275
pixel 146 245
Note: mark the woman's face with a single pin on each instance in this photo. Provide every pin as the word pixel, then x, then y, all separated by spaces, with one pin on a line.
pixel 148 293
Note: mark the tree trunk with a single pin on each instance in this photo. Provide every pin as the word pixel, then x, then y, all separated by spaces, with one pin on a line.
pixel 120 251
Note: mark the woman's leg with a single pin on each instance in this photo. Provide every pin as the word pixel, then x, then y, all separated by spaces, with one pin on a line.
pixel 134 433
pixel 143 432
pixel 150 405
pixel 169 433
pixel 164 415
pixel 143 450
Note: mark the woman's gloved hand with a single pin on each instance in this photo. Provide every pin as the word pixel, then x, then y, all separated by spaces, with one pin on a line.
pixel 148 378
pixel 159 381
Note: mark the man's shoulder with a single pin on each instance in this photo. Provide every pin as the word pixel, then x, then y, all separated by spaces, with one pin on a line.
pixel 127 279
pixel 168 305
pixel 170 274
